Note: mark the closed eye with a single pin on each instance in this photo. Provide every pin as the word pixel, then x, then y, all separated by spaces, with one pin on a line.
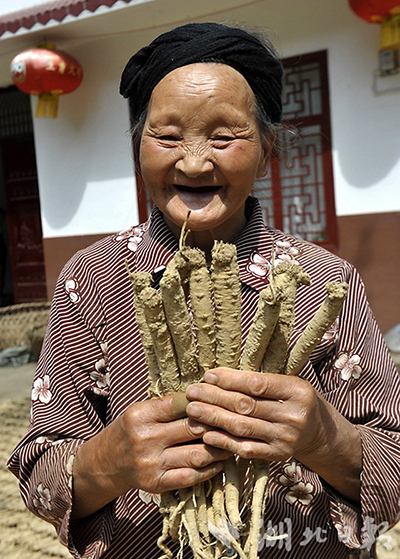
pixel 168 138
pixel 221 142
pixel 224 138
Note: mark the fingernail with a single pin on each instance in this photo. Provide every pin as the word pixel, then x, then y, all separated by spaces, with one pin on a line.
pixel 194 410
pixel 211 378
pixel 210 439
pixel 193 392
pixel 197 428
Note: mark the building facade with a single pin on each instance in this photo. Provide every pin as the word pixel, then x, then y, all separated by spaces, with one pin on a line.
pixel 82 162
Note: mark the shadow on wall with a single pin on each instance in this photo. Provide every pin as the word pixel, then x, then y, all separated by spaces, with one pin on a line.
pixel 88 143
pixel 76 160
pixel 367 155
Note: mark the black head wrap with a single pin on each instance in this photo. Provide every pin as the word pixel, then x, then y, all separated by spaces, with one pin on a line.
pixel 204 42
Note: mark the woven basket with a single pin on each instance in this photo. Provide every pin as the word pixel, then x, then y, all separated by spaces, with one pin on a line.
pixel 18 323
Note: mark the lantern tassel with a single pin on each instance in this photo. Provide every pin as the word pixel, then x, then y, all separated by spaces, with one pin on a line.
pixel 47 106
pixel 390 33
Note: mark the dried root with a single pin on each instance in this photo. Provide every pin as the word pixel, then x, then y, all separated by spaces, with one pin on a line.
pixel 322 320
pixel 261 468
pixel 189 519
pixel 285 280
pixel 232 493
pixel 153 308
pixel 178 320
pixel 168 507
pixel 140 281
pixel 226 288
pixel 185 332
pixel 201 303
pixel 261 330
pixel 201 510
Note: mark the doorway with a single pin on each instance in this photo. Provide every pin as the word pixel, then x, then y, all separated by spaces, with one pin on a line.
pixel 22 277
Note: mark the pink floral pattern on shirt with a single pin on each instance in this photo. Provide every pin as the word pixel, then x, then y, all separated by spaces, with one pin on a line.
pixel 72 288
pixel 41 390
pixel 300 492
pixel 348 365
pixel 283 251
pixel 258 265
pixel 42 501
pixel 332 333
pixel 100 375
pixel 291 474
pixel 133 235
pixel 149 497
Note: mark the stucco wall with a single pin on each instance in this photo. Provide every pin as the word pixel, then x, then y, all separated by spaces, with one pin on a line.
pixel 84 159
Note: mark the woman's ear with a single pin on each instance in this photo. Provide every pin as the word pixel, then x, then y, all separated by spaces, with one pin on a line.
pixel 136 141
pixel 267 145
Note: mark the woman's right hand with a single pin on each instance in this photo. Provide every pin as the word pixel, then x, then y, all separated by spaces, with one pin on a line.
pixel 145 448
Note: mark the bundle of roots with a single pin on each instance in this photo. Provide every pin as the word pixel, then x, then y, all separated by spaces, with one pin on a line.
pixel 193 324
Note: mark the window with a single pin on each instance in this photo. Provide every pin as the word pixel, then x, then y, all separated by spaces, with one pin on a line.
pixel 297 193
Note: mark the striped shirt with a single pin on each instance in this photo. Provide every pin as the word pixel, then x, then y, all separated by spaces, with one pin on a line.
pixel 92 367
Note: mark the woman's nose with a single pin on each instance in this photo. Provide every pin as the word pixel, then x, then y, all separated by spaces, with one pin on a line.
pixel 194 164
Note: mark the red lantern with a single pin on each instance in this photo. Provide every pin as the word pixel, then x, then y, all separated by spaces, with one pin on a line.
pixel 385 12
pixel 375 11
pixel 47 73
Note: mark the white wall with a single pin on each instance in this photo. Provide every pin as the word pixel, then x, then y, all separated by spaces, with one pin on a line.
pixel 84 161
pixel 85 166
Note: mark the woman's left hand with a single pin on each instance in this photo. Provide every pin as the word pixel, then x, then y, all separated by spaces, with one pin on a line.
pixel 274 417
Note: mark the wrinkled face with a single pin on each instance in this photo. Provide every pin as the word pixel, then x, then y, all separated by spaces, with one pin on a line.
pixel 201 149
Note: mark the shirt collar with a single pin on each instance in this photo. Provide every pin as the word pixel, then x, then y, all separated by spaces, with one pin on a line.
pixel 254 246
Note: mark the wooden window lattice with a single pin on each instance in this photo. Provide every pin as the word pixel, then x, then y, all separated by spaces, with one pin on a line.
pixel 297 193
pixel 15 113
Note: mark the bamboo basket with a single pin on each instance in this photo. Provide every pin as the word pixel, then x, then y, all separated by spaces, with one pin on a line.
pixel 24 325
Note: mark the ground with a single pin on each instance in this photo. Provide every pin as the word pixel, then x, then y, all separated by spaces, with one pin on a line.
pixel 23 535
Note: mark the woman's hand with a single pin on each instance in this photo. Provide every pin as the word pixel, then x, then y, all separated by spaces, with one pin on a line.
pixel 274 417
pixel 144 448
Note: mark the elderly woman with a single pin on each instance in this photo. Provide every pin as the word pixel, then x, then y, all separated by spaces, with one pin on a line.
pixel 205 100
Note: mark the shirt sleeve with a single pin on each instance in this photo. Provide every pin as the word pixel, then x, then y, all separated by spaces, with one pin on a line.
pixel 69 402
pixel 363 383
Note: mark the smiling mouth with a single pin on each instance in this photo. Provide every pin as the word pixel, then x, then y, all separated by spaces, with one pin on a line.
pixel 197 189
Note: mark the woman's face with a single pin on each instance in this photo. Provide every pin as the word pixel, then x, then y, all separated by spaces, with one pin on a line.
pixel 201 149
